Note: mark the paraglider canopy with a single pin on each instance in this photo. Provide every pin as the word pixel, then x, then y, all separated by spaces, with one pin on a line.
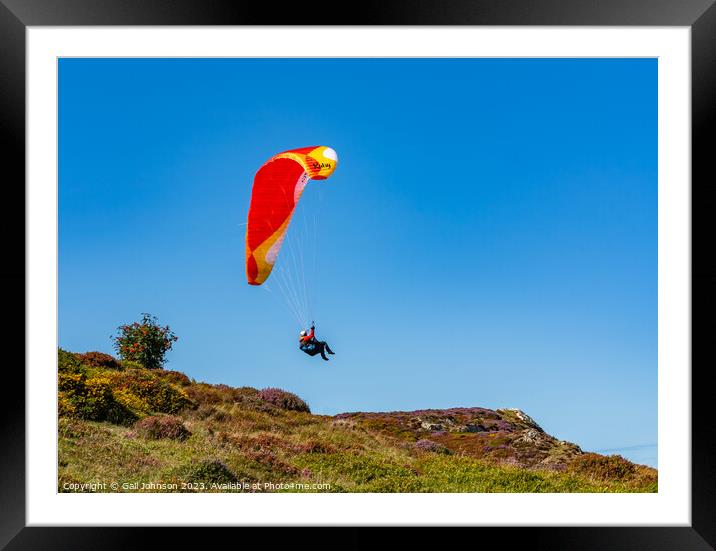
pixel 278 186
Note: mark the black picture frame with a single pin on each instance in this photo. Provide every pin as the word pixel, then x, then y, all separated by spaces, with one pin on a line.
pixel 698 15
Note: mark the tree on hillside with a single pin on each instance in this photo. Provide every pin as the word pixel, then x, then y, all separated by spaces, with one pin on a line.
pixel 145 342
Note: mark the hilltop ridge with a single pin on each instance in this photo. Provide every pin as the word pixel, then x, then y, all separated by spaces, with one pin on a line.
pixel 159 430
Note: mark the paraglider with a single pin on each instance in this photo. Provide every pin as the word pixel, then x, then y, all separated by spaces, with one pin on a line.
pixel 311 345
pixel 278 186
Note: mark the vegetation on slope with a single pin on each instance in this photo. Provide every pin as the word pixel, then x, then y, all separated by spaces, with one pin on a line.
pixel 157 430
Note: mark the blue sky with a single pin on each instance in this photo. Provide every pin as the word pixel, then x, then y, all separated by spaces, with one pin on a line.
pixel 489 237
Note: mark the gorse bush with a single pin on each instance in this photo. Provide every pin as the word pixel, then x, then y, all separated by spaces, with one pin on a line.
pixel 116 395
pixel 98 399
pixel 145 342
pixel 67 361
pixel 71 382
pixel 141 390
pixel 175 377
pixel 71 388
pixel 90 398
pixel 130 364
pixel 284 400
pixel 131 401
pixel 162 426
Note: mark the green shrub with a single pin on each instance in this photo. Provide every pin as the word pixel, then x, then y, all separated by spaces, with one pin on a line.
pixel 210 470
pixel 129 364
pixel 68 361
pixel 145 342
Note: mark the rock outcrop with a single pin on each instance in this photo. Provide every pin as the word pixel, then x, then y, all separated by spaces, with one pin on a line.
pixel 505 436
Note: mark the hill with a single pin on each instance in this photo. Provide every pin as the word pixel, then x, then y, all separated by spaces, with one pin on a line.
pixel 158 430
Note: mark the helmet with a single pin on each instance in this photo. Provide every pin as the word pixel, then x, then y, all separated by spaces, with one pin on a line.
pixel 302 333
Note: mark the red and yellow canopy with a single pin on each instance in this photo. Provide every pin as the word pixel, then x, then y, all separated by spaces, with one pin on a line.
pixel 278 186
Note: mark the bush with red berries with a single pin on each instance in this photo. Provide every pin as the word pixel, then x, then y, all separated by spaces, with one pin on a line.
pixel 145 342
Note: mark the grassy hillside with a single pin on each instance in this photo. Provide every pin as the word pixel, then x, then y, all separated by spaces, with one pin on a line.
pixel 157 430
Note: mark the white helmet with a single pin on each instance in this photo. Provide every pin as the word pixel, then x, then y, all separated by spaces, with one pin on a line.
pixel 302 333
